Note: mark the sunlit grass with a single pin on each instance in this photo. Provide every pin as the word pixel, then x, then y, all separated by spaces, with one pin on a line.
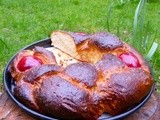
pixel 23 22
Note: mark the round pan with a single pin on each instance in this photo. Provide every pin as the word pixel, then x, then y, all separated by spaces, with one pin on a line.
pixel 9 84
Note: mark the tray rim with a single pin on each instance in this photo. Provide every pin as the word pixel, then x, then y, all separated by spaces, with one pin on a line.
pixel 36 114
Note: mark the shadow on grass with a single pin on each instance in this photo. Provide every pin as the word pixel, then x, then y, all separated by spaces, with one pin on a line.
pixel 3 44
pixel 3 49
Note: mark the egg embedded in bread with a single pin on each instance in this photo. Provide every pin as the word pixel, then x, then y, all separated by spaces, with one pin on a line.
pixel 82 77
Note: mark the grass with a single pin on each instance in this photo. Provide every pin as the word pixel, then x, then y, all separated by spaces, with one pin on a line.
pixel 23 22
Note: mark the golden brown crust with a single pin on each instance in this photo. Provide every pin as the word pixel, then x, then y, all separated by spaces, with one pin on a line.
pixel 44 55
pixel 99 81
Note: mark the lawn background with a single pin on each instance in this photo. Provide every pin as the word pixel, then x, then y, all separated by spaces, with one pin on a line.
pixel 24 21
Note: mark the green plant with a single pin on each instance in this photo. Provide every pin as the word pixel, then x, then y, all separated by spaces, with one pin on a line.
pixel 140 38
pixel 152 51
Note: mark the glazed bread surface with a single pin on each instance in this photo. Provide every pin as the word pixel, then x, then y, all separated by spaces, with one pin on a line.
pixel 84 82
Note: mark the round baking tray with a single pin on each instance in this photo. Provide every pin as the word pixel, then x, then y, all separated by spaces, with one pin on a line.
pixel 8 84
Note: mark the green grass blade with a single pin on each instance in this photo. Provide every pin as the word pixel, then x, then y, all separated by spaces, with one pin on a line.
pixel 108 17
pixel 142 20
pixel 146 36
pixel 118 28
pixel 136 16
pixel 156 30
pixel 152 51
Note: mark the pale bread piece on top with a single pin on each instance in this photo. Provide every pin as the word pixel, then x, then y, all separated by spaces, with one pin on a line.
pixel 65 43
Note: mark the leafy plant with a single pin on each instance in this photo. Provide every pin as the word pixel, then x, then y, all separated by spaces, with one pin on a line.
pixel 141 39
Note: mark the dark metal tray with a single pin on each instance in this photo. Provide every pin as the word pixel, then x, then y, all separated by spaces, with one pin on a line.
pixel 8 84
